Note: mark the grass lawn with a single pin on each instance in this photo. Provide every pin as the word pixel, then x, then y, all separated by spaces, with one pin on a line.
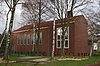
pixel 91 60
pixel 18 61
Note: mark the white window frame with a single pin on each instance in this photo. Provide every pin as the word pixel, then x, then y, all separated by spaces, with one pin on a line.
pixel 60 38
pixel 57 38
pixel 67 39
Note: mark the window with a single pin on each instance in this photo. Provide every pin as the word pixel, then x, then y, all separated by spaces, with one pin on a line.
pixel 59 38
pixel 66 40
pixel 59 34
pixel 28 38
pixel 24 39
pixel 18 40
pixel 21 39
pixel 33 38
pixel 38 39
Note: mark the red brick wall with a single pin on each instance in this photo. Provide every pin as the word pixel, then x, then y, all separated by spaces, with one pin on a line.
pixel 70 50
pixel 44 48
pixel 81 37
pixel 22 48
pixel 78 39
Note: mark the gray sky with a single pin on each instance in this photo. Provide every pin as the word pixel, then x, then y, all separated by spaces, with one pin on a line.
pixel 18 19
pixel 3 17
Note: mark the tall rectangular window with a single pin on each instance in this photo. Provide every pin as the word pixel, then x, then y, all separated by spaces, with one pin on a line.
pixel 18 40
pixel 38 39
pixel 29 38
pixel 59 34
pixel 24 39
pixel 33 38
pixel 59 38
pixel 66 42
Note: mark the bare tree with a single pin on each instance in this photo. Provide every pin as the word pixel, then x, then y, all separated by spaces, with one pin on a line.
pixel 93 20
pixel 63 10
pixel 34 13
pixel 31 11
pixel 11 4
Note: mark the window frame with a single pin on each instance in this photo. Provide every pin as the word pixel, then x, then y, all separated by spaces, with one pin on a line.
pixel 60 38
pixel 24 39
pixel 36 37
pixel 57 38
pixel 33 38
pixel 29 39
pixel 18 40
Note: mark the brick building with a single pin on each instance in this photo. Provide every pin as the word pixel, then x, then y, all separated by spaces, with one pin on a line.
pixel 76 38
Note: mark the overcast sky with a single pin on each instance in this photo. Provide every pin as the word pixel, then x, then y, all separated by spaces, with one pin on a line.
pixel 3 17
pixel 19 10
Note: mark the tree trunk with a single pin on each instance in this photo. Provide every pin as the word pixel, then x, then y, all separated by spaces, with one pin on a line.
pixel 53 45
pixel 62 42
pixel 62 47
pixel 91 51
pixel 9 33
pixel 6 47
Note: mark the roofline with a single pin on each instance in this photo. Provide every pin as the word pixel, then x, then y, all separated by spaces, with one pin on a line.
pixel 41 24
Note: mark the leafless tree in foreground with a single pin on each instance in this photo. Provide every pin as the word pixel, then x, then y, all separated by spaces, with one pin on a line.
pixel 34 12
pixel 93 20
pixel 11 4
pixel 63 10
